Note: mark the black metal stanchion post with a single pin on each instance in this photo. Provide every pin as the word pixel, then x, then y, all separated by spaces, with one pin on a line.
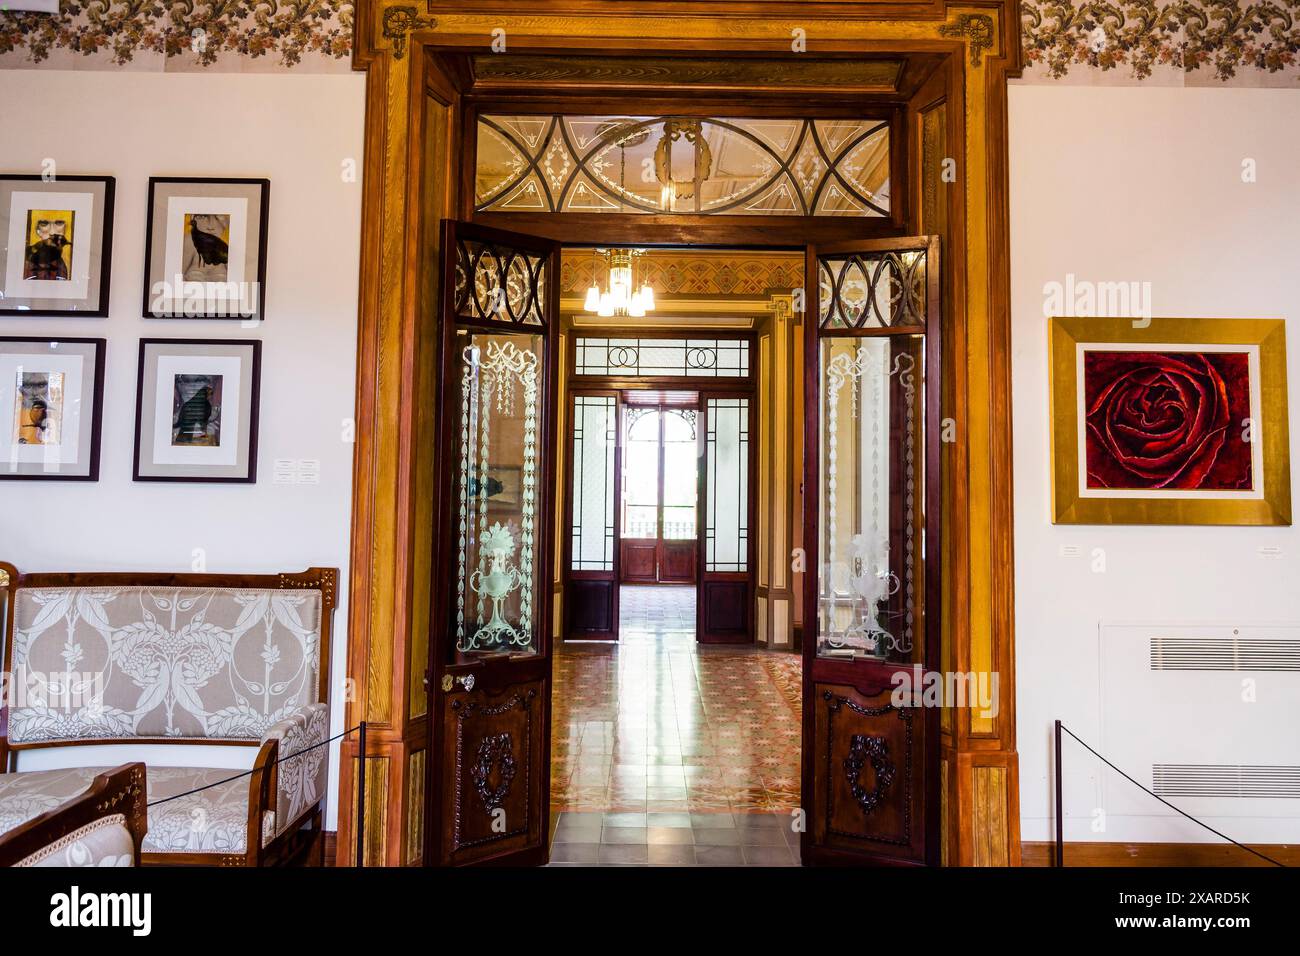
pixel 361 790
pixel 1060 820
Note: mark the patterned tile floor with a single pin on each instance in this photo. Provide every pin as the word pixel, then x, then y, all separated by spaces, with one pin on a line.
pixel 668 752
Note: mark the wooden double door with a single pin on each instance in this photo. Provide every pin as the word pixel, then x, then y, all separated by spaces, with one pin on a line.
pixel 870 577
pixel 659 491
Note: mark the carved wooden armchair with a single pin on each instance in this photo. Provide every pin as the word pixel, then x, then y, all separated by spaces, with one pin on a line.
pixel 102 827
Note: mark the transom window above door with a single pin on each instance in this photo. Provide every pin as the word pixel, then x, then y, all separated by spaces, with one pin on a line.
pixel 660 357
pixel 685 165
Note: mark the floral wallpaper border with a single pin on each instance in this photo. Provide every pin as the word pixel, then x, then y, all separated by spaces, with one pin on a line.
pixel 1202 42
pixel 1206 41
pixel 200 34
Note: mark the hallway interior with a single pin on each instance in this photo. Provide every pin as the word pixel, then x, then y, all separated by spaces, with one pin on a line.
pixel 665 751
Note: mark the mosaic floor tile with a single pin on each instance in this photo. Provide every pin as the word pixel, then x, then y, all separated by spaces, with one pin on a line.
pixel 671 753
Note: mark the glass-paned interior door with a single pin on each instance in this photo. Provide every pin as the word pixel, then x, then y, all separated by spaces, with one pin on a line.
pixel 658 526
pixel 871 527
pixel 488 756
pixel 725 610
pixel 591 586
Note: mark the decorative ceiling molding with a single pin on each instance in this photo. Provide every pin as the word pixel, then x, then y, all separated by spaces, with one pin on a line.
pixel 1162 42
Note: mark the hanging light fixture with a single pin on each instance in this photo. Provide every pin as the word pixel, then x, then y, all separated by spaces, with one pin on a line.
pixel 621 296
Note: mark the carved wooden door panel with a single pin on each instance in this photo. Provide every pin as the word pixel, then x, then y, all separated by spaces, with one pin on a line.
pixel 490 655
pixel 871 510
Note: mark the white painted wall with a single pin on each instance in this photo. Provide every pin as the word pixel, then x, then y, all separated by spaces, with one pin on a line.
pixel 296 130
pixel 1139 184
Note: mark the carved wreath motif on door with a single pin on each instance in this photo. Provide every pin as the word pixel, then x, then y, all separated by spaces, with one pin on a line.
pixel 864 748
pixel 495 752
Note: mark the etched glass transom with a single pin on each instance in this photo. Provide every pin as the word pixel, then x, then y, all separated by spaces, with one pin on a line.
pixel 683 165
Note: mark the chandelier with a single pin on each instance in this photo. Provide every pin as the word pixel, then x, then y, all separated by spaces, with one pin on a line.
pixel 621 295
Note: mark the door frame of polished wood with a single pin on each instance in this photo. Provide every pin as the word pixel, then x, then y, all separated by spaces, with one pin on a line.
pixel 412 51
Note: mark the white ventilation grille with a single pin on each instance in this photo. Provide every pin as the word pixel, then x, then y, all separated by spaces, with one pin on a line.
pixel 1225 780
pixel 1205 715
pixel 1224 654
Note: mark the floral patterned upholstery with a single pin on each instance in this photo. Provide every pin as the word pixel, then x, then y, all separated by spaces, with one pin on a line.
pixel 301 780
pixel 103 842
pixel 212 821
pixel 161 662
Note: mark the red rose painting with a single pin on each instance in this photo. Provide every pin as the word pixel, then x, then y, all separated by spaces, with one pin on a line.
pixel 1167 420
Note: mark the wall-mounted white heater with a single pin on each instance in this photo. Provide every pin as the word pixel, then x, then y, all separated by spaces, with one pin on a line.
pixel 1207 717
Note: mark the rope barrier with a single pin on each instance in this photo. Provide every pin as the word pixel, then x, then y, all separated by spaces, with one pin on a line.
pixel 1060 845
pixel 249 773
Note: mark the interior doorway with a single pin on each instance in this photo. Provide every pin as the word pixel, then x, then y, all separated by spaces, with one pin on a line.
pixel 659 489
pixel 661 456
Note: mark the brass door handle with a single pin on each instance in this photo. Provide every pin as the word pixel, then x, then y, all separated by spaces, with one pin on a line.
pixel 450 681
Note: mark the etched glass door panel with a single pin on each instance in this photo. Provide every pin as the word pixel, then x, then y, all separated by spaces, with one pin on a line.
pixel 498 549
pixel 870 501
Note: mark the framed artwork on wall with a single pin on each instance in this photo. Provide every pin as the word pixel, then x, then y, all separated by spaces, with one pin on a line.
pixel 205 249
pixel 51 407
pixel 57 237
pixel 196 410
pixel 1170 421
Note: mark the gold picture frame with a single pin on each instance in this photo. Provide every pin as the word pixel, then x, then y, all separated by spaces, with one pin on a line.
pixel 1261 341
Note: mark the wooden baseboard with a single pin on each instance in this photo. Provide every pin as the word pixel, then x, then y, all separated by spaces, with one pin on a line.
pixel 1158 854
pixel 331 847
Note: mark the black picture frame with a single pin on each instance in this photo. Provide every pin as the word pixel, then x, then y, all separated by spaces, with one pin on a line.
pixel 105 251
pixel 253 411
pixel 264 206
pixel 96 415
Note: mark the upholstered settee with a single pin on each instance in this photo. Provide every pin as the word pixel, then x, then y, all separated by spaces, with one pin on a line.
pixel 104 826
pixel 197 659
